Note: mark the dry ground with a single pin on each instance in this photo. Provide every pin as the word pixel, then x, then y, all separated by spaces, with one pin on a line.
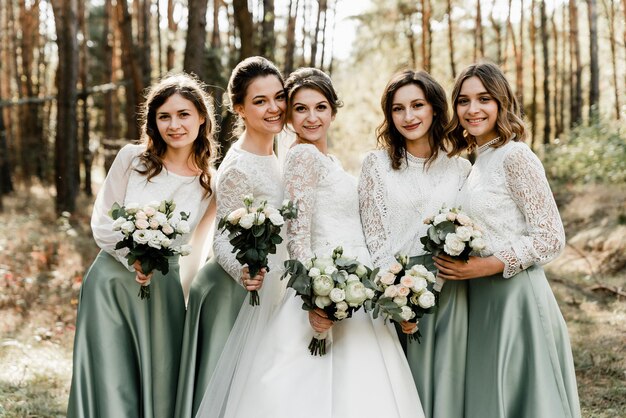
pixel 42 259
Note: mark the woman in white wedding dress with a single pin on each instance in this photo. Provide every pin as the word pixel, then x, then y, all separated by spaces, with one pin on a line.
pixel 267 371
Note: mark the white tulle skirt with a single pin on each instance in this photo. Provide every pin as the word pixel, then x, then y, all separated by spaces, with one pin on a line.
pixel 266 370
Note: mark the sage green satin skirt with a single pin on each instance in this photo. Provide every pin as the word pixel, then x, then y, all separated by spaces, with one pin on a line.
pixel 126 350
pixel 438 362
pixel 215 299
pixel 519 358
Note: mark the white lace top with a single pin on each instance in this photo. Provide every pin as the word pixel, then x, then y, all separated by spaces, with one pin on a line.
pixel 328 206
pixel 508 195
pixel 394 203
pixel 242 173
pixel 125 185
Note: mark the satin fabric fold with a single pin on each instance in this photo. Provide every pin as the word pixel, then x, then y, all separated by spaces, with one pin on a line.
pixel 215 299
pixel 126 350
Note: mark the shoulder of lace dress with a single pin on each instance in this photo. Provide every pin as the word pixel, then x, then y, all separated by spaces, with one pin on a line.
pixel 374 210
pixel 528 186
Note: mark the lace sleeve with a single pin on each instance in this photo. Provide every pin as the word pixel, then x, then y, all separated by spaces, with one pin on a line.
pixel 232 186
pixel 529 188
pixel 374 213
pixel 113 190
pixel 300 179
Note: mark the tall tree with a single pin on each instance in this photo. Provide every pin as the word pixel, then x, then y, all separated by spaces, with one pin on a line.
pixel 479 41
pixel 245 25
pixel 268 38
pixel 519 58
pixel 290 46
pixel 195 50
pixel 321 13
pixel 576 89
pixel 558 122
pixel 546 73
pixel 426 35
pixel 610 11
pixel 533 65
pixel 451 38
pixel 66 150
pixel 172 27
pixel 83 77
pixel 594 69
pixel 497 29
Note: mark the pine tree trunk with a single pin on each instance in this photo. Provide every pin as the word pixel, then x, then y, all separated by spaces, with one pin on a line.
pixel 291 36
pixel 533 66
pixel 268 38
pixel 195 51
pixel 558 80
pixel 245 24
pixel 451 38
pixel 546 74
pixel 594 85
pixel 576 93
pixel 609 8
pixel 426 35
pixel 83 77
pixel 479 43
pixel 172 27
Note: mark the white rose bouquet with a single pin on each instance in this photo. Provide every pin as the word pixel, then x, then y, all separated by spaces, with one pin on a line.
pixel 404 293
pixel 452 232
pixel 337 284
pixel 254 233
pixel 149 232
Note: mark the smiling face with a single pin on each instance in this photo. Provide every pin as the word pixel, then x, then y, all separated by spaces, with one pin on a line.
pixel 477 110
pixel 412 114
pixel 263 109
pixel 178 122
pixel 310 117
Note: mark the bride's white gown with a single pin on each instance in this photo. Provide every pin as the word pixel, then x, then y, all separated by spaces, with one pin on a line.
pixel 364 373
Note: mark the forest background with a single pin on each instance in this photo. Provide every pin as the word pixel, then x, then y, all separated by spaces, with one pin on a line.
pixel 73 72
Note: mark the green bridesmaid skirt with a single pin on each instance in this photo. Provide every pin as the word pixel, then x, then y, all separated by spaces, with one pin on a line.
pixel 126 350
pixel 438 362
pixel 215 299
pixel 519 358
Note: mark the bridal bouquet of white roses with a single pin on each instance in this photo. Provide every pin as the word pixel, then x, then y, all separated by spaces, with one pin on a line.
pixel 338 285
pixel 148 234
pixel 452 232
pixel 404 293
pixel 254 233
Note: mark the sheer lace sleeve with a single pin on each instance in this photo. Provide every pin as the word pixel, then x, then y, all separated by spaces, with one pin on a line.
pixel 301 178
pixel 233 184
pixel 113 190
pixel 529 188
pixel 374 212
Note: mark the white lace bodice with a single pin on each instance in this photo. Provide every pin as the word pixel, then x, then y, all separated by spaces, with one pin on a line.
pixel 328 206
pixel 394 203
pixel 242 173
pixel 508 195
pixel 123 184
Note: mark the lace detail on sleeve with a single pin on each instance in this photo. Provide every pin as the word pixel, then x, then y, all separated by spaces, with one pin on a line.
pixel 113 190
pixel 374 213
pixel 529 188
pixel 301 178
pixel 232 185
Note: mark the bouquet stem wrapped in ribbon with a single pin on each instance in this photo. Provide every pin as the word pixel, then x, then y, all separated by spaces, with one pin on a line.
pixel 149 232
pixel 254 233
pixel 338 285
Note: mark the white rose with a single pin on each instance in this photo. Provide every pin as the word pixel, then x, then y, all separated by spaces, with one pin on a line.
pixel 369 293
pixel 477 233
pixel 431 277
pixel 149 211
pixel 183 227
pixel 463 219
pixel 337 295
pixel 154 224
pixel 440 218
pixel 128 227
pixel 464 233
pixel 388 278
pixel 426 300
pixel 323 262
pixel 174 220
pixel 407 313
pixel 330 270
pixel 339 315
pixel 453 245
pixel 418 270
pixel 419 284
pixel 132 207
pixel 235 216
pixel 361 270
pixel 342 306
pixel 407 281
pixel 259 218
pixel 395 268
pixel 185 249
pixel 478 244
pixel 117 224
pixel 160 217
pixel 276 219
pixel 142 224
pixel 322 301
pixel 142 236
pixel 314 272
pixel 322 285
pixel 355 293
pixel 400 301
pixel 155 240
pixel 247 221
pixel 269 211
pixel 353 278
pixel 167 229
pixel 141 215
pixel 403 291
pixel 391 292
pixel 166 242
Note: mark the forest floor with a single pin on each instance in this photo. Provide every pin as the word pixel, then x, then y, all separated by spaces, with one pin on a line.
pixel 43 258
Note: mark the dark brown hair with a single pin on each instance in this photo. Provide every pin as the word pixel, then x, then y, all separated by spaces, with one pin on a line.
pixel 509 124
pixel 388 136
pixel 204 147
